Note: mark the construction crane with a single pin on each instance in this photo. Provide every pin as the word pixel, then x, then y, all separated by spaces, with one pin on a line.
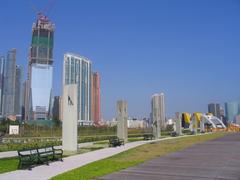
pixel 45 11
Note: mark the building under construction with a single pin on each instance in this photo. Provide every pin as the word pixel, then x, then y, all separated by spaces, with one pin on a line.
pixel 38 105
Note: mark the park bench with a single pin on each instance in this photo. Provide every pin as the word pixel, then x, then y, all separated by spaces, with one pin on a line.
pixel 148 136
pixel 31 157
pixel 47 154
pixel 115 141
pixel 174 134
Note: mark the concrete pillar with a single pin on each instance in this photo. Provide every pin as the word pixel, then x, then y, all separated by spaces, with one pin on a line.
pixel 122 117
pixel 157 114
pixel 178 124
pixel 174 127
pixel 156 129
pixel 202 125
pixel 194 125
pixel 69 125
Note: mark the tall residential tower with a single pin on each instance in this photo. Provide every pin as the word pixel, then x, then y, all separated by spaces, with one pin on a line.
pixel 40 71
pixel 2 65
pixel 18 92
pixel 9 83
pixel 78 70
pixel 214 109
pixel 231 111
pixel 96 104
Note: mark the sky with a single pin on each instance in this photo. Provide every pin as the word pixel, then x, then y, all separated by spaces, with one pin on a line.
pixel 190 50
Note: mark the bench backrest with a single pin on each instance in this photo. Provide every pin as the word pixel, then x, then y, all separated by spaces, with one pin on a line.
pixel 45 149
pixel 35 151
pixel 27 152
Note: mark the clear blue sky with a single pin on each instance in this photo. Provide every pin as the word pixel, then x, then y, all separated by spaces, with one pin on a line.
pixel 190 50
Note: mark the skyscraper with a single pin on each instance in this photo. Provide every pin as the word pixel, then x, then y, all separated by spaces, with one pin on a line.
pixel 24 98
pixel 96 106
pixel 158 111
pixel 78 70
pixel 18 92
pixel 214 109
pixel 57 107
pixel 231 111
pixel 2 65
pixel 40 71
pixel 9 83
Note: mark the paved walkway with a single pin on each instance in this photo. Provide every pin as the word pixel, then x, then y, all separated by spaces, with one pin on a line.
pixel 216 159
pixel 44 172
pixel 14 153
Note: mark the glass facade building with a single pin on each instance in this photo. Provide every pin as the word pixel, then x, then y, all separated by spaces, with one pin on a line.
pixel 78 70
pixel 231 111
pixel 38 105
pixel 214 109
pixel 9 83
pixel 2 65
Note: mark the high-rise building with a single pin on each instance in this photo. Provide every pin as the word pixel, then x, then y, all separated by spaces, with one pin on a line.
pixel 231 111
pixel 40 71
pixel 18 92
pixel 9 84
pixel 57 108
pixel 78 70
pixel 2 65
pixel 214 109
pixel 96 104
pixel 222 112
pixel 24 98
pixel 158 110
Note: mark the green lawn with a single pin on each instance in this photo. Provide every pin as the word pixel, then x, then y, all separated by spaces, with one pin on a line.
pixel 8 164
pixel 133 157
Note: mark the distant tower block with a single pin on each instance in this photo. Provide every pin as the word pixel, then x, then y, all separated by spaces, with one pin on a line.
pixel 178 124
pixel 69 127
pixel 122 116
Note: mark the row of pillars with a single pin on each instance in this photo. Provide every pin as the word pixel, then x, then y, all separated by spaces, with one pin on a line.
pixel 193 125
pixel 69 126
pixel 70 120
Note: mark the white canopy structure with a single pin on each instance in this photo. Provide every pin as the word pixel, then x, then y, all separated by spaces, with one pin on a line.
pixel 213 121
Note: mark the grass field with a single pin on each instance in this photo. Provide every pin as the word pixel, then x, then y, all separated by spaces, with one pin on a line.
pixel 133 157
pixel 8 164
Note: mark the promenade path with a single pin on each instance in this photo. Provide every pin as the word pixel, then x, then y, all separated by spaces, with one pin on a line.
pixel 44 172
pixel 215 159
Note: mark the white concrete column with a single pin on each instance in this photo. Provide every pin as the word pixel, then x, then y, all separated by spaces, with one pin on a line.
pixel 178 124
pixel 194 125
pixel 122 116
pixel 69 125
pixel 202 125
